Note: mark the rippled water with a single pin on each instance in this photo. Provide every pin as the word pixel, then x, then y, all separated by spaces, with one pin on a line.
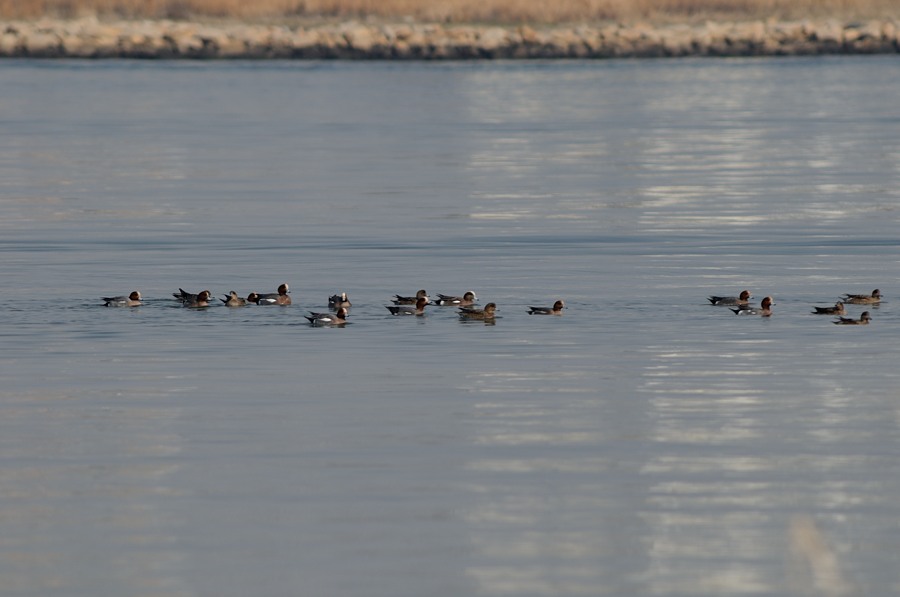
pixel 644 443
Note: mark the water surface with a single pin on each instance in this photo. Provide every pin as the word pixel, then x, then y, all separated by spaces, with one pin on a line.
pixel 644 443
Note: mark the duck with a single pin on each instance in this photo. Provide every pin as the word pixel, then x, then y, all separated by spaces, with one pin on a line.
pixel 864 319
pixel 417 309
pixel 183 295
pixel 556 309
pixel 743 299
pixel 837 309
pixel 765 308
pixel 483 314
pixel 198 300
pixel 336 301
pixel 328 319
pixel 233 300
pixel 468 298
pixel 411 300
pixel 132 300
pixel 863 299
pixel 279 298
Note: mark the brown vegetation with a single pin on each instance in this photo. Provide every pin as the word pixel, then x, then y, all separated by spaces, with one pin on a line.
pixel 457 11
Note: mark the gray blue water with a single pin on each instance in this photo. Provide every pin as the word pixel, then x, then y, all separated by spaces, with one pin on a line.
pixel 644 443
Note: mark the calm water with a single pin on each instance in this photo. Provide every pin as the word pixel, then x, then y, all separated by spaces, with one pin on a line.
pixel 642 444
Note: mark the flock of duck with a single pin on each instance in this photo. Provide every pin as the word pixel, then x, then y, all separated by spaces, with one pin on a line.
pixel 740 305
pixel 339 304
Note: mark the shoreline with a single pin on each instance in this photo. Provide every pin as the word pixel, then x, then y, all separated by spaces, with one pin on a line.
pixel 91 38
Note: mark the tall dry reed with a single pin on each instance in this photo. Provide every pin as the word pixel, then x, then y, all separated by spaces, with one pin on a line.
pixel 464 11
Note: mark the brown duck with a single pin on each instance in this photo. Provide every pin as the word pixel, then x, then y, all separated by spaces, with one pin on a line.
pixel 864 319
pixel 473 313
pixel 743 299
pixel 837 309
pixel 863 299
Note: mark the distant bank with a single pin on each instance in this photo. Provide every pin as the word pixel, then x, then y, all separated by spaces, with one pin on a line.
pixel 90 38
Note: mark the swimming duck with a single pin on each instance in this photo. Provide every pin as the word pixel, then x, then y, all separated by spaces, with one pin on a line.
pixel 472 313
pixel 336 301
pixel 328 319
pixel 765 308
pixel 466 299
pixel 743 299
pixel 132 300
pixel 183 295
pixel 417 309
pixel 198 300
pixel 279 298
pixel 556 309
pixel 411 300
pixel 233 300
pixel 864 319
pixel 863 299
pixel 837 309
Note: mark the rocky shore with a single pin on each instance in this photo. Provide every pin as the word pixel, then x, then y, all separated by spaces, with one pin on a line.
pixel 90 38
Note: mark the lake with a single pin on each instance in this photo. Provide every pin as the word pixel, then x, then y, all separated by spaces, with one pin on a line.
pixel 644 443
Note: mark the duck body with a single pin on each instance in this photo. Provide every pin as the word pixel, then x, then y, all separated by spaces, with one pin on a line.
pixel 197 301
pixel 556 309
pixel 742 299
pixel 487 313
pixel 863 299
pixel 468 298
pixel 328 319
pixel 764 310
pixel 864 319
pixel 411 300
pixel 837 309
pixel 185 296
pixel 273 298
pixel 233 300
pixel 417 309
pixel 336 301
pixel 132 300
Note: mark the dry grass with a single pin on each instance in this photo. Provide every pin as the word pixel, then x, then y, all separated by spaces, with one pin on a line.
pixel 460 11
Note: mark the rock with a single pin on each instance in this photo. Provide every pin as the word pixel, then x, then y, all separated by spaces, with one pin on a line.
pixel 9 44
pixel 42 45
pixel 677 41
pixel 365 41
pixel 528 36
pixel 492 40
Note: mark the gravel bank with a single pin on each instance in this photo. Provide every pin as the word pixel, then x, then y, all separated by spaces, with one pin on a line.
pixel 90 38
